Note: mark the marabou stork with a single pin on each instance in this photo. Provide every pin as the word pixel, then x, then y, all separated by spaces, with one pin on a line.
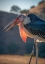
pixel 30 26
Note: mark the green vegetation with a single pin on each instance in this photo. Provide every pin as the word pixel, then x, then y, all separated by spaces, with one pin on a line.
pixel 28 48
pixel 42 50
pixel 2 49
pixel 13 48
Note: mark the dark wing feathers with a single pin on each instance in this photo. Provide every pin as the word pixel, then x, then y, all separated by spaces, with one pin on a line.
pixel 34 18
pixel 36 28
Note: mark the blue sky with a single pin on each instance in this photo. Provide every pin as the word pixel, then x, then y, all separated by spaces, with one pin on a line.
pixel 6 5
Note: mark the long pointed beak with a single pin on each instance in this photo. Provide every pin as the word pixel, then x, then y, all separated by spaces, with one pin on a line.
pixel 10 25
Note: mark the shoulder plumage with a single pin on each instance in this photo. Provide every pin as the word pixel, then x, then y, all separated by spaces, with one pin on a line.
pixel 34 17
pixel 26 20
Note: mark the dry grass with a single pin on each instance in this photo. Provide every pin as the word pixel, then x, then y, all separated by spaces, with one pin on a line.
pixel 16 59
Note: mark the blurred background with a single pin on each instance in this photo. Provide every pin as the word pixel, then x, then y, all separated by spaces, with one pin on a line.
pixel 10 42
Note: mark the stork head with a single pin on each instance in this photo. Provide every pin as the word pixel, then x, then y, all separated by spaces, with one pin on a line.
pixel 17 21
pixel 20 20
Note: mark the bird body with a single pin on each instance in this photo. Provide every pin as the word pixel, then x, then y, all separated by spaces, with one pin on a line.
pixel 30 26
pixel 28 34
pixel 36 28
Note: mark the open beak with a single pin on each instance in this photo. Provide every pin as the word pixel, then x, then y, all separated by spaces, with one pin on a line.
pixel 10 25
